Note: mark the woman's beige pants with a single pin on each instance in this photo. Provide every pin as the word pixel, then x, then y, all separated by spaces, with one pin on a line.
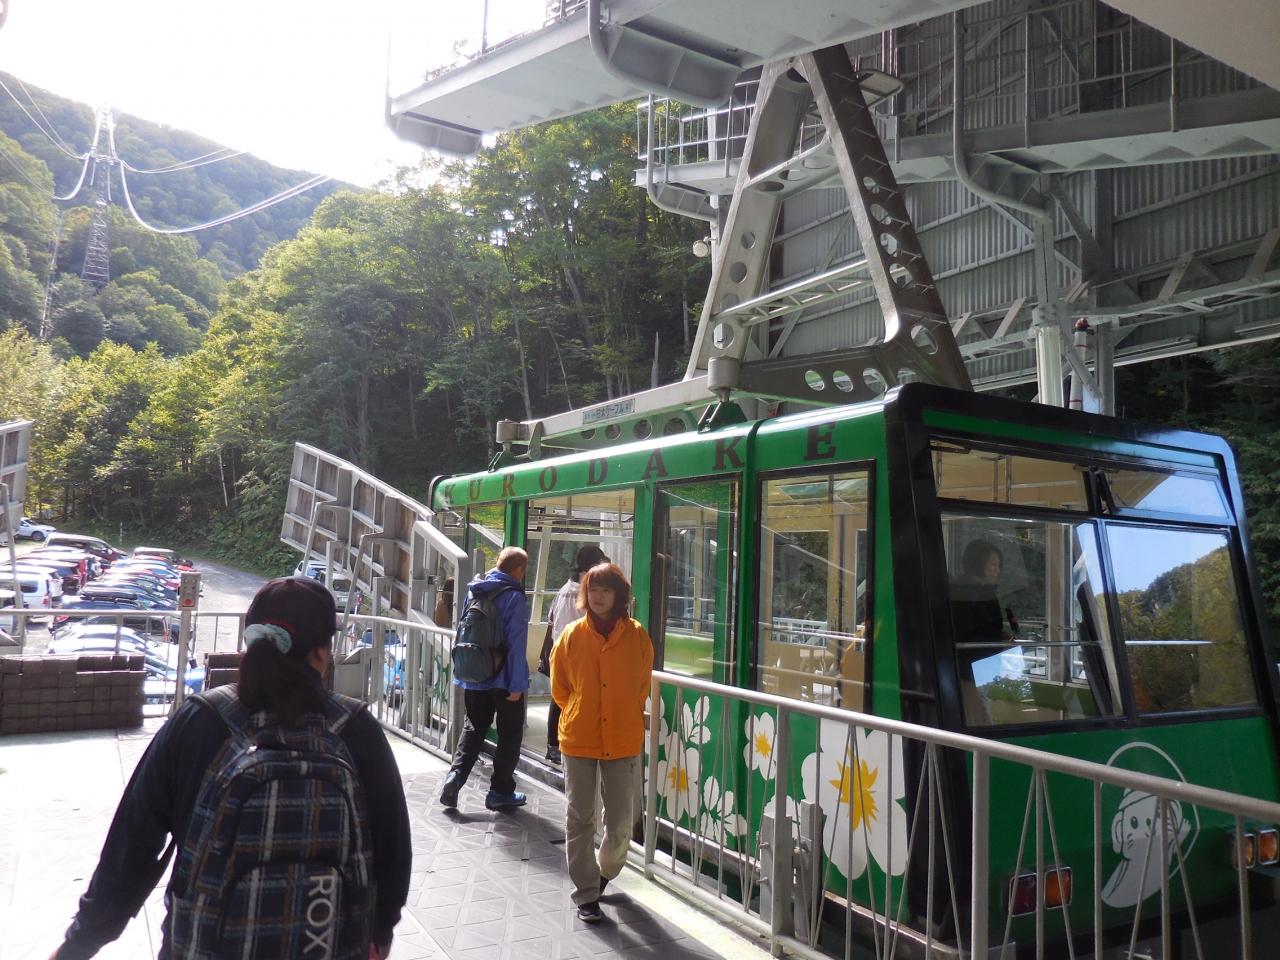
pixel 614 781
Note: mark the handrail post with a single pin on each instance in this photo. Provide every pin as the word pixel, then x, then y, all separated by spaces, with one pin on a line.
pixel 978 882
pixel 651 782
pixel 781 915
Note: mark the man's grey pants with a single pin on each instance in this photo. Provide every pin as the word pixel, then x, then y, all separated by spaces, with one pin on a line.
pixel 615 781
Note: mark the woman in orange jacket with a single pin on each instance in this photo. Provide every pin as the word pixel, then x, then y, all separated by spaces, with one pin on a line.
pixel 600 671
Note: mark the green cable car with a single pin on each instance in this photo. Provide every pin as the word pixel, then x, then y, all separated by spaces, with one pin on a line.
pixel 1064 581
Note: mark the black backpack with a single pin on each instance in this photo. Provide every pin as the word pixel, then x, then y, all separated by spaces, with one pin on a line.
pixel 277 857
pixel 479 650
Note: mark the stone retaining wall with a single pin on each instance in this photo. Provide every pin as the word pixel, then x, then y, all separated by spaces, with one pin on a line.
pixel 47 694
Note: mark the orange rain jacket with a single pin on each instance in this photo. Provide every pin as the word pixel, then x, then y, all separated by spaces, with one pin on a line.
pixel 601 684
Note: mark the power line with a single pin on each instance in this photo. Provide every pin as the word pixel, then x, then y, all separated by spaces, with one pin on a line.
pixel 179 165
pixel 36 123
pixel 43 116
pixel 22 173
pixel 246 211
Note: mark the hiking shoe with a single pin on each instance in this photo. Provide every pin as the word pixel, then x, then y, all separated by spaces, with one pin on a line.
pixel 590 912
pixel 449 793
pixel 501 801
pixel 553 754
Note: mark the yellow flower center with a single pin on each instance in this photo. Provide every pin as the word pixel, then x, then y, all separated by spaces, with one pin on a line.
pixel 763 746
pixel 855 783
pixel 678 778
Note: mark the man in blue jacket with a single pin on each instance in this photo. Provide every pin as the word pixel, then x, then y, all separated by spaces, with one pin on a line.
pixel 502 696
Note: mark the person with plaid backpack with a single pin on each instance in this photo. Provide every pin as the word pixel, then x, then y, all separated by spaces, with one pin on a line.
pixel 284 804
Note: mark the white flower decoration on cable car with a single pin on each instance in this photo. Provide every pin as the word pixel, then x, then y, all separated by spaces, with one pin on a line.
pixel 719 813
pixel 693 721
pixel 678 777
pixel 860 796
pixel 759 735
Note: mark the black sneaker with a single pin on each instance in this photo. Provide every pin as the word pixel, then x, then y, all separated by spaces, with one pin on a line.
pixel 590 912
pixel 553 754
pixel 449 793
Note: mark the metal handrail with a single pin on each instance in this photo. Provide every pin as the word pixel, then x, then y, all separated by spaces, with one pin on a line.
pixel 694 859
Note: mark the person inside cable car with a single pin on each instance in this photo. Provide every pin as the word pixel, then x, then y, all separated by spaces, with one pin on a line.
pixel 983 628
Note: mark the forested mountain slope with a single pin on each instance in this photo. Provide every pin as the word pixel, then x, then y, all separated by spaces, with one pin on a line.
pixel 171 199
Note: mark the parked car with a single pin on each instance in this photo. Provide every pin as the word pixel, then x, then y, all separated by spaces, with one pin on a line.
pixel 145 581
pixel 36 585
pixel 106 632
pixel 393 655
pixel 6 603
pixel 339 583
pixel 28 529
pixel 159 553
pixel 105 590
pixel 87 641
pixel 91 567
pixel 157 567
pixel 80 541
pixel 164 627
pixel 68 572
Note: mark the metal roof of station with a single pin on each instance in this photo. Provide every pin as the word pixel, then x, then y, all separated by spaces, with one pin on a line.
pixel 690 49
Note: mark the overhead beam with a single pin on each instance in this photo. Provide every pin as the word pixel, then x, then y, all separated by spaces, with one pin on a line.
pixel 1240 33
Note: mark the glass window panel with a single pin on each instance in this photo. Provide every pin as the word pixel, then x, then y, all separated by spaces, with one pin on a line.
pixel 695 572
pixel 1165 492
pixel 815 589
pixel 1030 620
pixel 990 476
pixel 1180 619
pixel 556 528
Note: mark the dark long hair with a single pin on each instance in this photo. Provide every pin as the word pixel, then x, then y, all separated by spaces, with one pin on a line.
pixel 284 683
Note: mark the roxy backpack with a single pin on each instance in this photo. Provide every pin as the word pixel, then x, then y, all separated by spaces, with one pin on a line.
pixel 480 650
pixel 277 858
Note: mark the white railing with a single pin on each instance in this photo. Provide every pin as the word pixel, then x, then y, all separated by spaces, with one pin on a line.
pixel 855 849
pixel 402 670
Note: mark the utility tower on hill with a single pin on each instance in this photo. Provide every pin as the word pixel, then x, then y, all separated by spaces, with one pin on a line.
pixel 97 251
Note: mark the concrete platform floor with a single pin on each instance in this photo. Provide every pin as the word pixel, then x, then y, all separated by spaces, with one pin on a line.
pixel 490 886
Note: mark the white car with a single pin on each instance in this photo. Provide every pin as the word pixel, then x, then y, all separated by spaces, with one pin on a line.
pixel 28 529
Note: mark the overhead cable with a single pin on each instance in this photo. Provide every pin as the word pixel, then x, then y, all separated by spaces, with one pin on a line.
pixel 246 211
pixel 43 116
pixel 191 164
pixel 36 123
pixel 17 167
pixel 84 169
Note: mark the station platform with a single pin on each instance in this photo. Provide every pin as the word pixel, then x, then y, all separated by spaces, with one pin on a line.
pixel 485 884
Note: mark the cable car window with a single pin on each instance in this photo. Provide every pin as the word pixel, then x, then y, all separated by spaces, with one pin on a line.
pixel 991 476
pixel 556 529
pixel 1030 620
pixel 1156 492
pixel 1180 619
pixel 815 588
pixel 695 577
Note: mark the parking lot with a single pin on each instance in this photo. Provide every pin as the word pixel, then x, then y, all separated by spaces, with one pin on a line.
pixel 225 590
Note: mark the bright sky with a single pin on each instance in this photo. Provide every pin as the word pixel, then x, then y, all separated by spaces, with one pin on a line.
pixel 299 83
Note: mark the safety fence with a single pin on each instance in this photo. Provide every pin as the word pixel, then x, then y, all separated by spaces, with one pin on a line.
pixel 840 834
pixel 402 669
pixel 837 834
